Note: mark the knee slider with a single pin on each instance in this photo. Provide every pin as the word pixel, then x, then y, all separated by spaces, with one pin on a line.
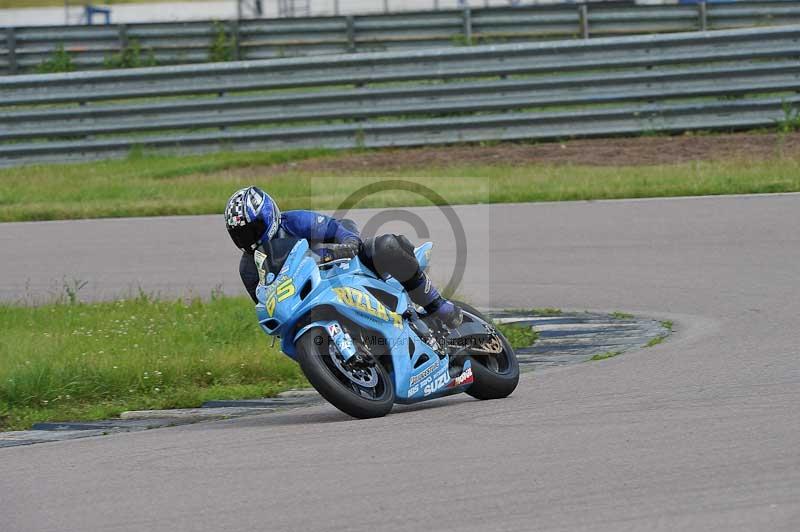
pixel 391 257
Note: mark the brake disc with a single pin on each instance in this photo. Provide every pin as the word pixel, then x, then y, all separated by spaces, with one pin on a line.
pixel 366 377
pixel 492 346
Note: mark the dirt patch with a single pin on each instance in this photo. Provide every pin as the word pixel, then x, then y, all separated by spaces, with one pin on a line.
pixel 638 151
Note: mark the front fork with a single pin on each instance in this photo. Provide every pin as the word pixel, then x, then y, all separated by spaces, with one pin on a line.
pixel 341 339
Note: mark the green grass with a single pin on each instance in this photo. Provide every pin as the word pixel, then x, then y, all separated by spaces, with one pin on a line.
pixel 69 360
pixel 138 186
pixel 607 354
pixel 170 185
pixel 621 315
pixel 668 325
pixel 519 336
pixel 543 312
pixel 546 311
pixel 66 361
pixel 655 341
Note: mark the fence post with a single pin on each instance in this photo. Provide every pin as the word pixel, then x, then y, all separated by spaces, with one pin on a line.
pixel 351 33
pixel 385 6
pixel 336 8
pixel 235 35
pixel 11 44
pixel 123 36
pixel 467 16
pixel 702 14
pixel 221 94
pixel 583 17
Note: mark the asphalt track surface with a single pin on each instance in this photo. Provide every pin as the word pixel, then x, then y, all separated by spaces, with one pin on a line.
pixel 699 433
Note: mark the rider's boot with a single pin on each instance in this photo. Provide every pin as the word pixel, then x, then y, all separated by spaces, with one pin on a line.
pixel 424 294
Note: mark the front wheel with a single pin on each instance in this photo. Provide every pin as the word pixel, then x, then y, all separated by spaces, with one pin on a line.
pixel 360 392
pixel 495 368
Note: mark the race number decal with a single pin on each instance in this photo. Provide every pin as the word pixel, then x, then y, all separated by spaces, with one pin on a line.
pixel 284 290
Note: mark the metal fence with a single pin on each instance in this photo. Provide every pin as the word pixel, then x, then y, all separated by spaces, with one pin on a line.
pixel 620 85
pixel 90 47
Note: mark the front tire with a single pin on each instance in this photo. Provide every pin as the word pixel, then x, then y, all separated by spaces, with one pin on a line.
pixel 495 376
pixel 331 380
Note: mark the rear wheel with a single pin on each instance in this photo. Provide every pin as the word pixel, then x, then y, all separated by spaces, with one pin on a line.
pixel 362 391
pixel 494 367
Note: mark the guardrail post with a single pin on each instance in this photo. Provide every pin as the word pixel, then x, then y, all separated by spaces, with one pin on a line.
pixel 467 17
pixel 11 44
pixel 221 94
pixel 82 103
pixel 702 15
pixel 351 33
pixel 123 37
pixel 235 35
pixel 583 17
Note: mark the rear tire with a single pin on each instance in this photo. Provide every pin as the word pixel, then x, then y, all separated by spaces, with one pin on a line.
pixel 325 376
pixel 495 376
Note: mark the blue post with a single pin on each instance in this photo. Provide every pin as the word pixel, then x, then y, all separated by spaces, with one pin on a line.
pixel 91 11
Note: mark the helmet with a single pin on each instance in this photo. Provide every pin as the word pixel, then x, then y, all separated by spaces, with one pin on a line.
pixel 251 216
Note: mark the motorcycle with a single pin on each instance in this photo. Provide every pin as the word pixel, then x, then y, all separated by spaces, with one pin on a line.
pixel 361 342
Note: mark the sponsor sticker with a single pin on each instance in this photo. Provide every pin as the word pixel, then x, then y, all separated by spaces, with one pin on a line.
pixel 438 383
pixel 368 304
pixel 334 330
pixel 259 258
pixel 425 373
pixel 464 378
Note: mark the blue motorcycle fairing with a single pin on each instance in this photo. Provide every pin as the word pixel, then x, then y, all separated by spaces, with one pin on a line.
pixel 348 289
pixel 297 279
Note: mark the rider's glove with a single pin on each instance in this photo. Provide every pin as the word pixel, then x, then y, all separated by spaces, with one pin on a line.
pixel 345 250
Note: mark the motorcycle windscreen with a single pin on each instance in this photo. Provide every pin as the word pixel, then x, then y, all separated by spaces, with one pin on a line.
pixel 271 256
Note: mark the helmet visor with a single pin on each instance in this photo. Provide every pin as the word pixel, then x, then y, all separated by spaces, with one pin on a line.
pixel 247 236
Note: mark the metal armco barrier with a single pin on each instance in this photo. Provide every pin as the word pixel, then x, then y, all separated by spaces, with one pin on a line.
pixel 90 47
pixel 729 79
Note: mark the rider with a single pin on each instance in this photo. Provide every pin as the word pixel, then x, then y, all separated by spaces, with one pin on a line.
pixel 252 218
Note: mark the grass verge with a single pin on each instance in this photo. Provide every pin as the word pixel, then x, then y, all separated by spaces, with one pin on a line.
pixel 539 312
pixel 607 354
pixel 655 341
pixel 519 336
pixel 170 185
pixel 669 326
pixel 66 361
pixel 74 361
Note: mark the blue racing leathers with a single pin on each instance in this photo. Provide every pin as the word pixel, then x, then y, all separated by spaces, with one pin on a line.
pixel 317 228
